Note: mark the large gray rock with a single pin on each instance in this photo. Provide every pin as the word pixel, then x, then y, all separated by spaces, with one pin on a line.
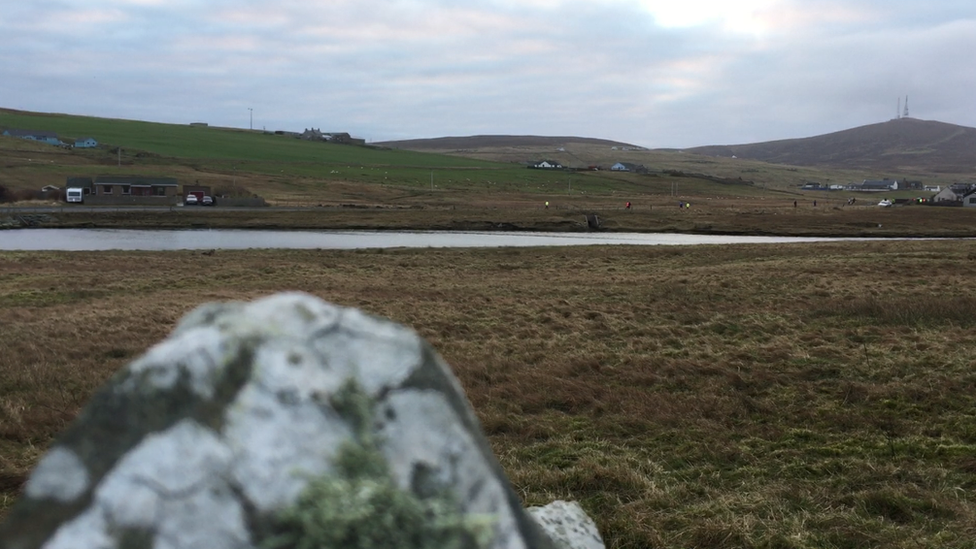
pixel 264 425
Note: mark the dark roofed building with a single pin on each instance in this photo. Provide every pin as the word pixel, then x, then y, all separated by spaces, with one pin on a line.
pixel 969 200
pixel 85 183
pixel 339 137
pixel 50 138
pixel 135 185
pixel 879 185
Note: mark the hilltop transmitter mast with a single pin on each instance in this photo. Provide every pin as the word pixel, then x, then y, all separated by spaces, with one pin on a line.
pixel 899 114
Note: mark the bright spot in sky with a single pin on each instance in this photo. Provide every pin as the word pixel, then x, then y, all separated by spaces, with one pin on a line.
pixel 743 16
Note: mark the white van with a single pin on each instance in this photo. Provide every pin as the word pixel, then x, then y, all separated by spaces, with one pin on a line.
pixel 75 194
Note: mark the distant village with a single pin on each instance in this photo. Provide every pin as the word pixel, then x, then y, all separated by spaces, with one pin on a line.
pixel 52 138
pixel 310 134
pixel 139 189
pixel 964 193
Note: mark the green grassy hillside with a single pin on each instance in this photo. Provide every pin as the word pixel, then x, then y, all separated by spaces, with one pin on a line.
pixel 285 170
pixel 276 166
pixel 188 142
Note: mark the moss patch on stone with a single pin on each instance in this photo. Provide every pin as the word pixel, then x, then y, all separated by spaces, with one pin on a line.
pixel 359 505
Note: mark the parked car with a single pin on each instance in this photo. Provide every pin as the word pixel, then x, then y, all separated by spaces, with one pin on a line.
pixel 885 203
pixel 208 201
pixel 191 200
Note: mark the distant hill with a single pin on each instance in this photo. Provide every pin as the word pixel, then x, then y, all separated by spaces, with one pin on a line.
pixel 904 144
pixel 495 141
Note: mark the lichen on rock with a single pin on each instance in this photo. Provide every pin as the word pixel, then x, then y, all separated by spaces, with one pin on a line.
pixel 359 505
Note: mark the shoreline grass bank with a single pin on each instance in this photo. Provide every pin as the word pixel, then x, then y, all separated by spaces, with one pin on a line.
pixel 708 218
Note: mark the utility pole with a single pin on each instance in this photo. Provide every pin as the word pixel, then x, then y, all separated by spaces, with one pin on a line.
pixel 432 180
pixel 252 116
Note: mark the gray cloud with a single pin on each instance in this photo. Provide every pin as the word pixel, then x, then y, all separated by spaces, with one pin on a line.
pixel 427 68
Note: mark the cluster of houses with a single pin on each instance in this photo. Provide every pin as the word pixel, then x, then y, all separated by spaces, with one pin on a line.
pixel 964 193
pixel 618 167
pixel 51 138
pixel 873 185
pixel 959 192
pixel 314 134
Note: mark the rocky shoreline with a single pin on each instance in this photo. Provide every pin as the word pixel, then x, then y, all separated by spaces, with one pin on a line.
pixel 26 221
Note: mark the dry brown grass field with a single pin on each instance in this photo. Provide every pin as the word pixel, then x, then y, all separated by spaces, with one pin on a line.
pixel 767 396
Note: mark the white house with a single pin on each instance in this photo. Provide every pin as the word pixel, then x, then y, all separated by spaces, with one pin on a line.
pixel 546 165
pixel 946 195
pixel 86 143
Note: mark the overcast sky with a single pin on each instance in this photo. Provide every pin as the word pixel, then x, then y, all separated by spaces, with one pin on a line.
pixel 657 73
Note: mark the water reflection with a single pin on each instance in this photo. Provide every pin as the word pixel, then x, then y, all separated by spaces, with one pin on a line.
pixel 232 239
